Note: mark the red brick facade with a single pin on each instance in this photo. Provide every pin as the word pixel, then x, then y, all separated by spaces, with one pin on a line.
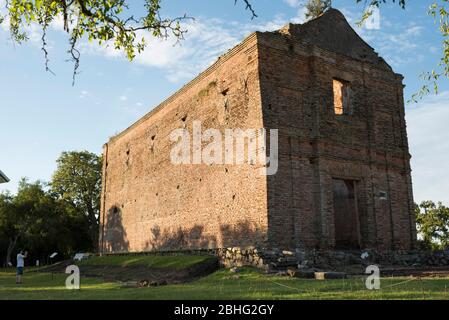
pixel 281 80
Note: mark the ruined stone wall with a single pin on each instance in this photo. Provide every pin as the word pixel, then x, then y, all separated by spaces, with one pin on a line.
pixel 151 204
pixel 276 81
pixel 273 260
pixel 369 146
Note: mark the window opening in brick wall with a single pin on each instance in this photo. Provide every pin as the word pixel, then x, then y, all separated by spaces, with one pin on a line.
pixel 341 96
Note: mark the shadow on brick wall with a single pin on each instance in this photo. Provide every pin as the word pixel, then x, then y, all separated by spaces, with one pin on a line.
pixel 243 234
pixel 115 239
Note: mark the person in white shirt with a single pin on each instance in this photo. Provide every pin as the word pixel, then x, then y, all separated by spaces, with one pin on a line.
pixel 20 265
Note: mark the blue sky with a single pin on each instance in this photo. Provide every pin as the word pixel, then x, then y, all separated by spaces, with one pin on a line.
pixel 43 115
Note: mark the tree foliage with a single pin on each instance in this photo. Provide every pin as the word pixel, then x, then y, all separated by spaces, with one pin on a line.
pixel 433 224
pixel 439 11
pixel 103 21
pixel 77 182
pixel 36 220
pixel 316 8
pixel 61 216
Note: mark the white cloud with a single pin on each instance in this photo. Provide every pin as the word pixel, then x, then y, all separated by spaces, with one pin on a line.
pixel 394 41
pixel 83 94
pixel 181 60
pixel 300 16
pixel 414 30
pixel 429 146
pixel 58 23
pixel 32 31
pixel 276 23
pixel 207 39
pixel 293 3
pixel 434 49
pixel 123 98
pixel 204 42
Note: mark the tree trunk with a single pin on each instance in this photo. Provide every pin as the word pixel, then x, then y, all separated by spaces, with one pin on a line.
pixel 94 235
pixel 11 247
pixel 94 228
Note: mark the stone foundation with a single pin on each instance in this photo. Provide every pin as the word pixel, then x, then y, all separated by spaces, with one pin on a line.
pixel 276 259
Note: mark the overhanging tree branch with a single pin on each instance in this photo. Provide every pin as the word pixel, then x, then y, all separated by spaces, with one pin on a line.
pixel 249 7
pixel 106 22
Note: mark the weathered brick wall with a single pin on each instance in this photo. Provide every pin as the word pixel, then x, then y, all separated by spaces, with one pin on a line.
pixel 275 80
pixel 369 145
pixel 151 204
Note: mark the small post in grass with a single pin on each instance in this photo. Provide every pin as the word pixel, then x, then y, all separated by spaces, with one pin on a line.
pixel 54 254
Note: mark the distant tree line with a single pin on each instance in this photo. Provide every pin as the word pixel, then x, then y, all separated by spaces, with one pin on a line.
pixel 432 221
pixel 59 216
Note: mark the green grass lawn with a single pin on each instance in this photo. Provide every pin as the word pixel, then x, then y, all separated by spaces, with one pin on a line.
pixel 250 284
pixel 152 261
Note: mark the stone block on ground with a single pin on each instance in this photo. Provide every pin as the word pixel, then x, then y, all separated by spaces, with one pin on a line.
pixel 291 272
pixel 234 270
pixel 301 273
pixel 329 275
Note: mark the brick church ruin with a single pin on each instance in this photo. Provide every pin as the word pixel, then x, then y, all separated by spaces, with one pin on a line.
pixel 343 178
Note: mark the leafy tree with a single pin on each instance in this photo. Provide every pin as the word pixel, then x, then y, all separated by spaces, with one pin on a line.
pixel 24 213
pixel 22 216
pixel 36 220
pixel 62 218
pixel 9 229
pixel 316 8
pixel 433 224
pixel 77 181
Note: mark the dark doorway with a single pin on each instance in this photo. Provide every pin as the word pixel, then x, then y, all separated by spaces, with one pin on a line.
pixel 346 220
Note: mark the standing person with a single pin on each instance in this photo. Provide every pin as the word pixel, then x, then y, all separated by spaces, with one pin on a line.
pixel 20 265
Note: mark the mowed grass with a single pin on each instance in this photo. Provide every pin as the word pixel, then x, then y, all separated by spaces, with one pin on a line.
pixel 247 284
pixel 175 262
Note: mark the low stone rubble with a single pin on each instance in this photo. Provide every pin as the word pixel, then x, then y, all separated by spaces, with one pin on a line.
pixel 306 261
pixel 147 283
